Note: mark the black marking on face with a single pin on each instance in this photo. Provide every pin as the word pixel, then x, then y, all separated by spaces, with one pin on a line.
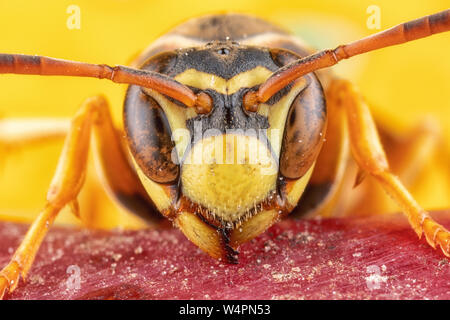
pixel 211 59
pixel 227 114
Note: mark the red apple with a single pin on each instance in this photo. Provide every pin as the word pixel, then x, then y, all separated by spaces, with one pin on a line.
pixel 364 258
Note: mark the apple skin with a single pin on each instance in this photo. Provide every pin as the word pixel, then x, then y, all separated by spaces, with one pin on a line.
pixel 363 258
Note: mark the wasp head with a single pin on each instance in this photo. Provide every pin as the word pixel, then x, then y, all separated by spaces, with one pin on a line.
pixel 224 176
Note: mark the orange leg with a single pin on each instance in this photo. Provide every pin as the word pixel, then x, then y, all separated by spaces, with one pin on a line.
pixel 21 132
pixel 18 133
pixel 64 188
pixel 69 178
pixel 409 155
pixel 370 157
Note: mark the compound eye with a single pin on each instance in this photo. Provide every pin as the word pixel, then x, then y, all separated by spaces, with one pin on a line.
pixel 149 136
pixel 304 131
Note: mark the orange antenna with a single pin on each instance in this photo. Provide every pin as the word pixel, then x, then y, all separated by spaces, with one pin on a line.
pixel 416 29
pixel 38 65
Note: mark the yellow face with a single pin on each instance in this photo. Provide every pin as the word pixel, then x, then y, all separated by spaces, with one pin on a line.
pixel 230 184
pixel 229 175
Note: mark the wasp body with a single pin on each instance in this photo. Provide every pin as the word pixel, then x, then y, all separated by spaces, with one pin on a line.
pixel 227 130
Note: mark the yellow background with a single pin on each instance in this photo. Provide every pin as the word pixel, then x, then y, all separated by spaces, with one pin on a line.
pixel 403 83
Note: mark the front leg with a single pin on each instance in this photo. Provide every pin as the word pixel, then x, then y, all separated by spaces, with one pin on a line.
pixel 64 188
pixel 370 157
pixel 69 177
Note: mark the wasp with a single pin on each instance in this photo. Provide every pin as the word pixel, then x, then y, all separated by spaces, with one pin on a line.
pixel 229 124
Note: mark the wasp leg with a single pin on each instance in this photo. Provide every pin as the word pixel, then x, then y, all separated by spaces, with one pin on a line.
pixel 409 155
pixel 68 181
pixel 23 132
pixel 19 133
pixel 64 189
pixel 115 168
pixel 369 154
